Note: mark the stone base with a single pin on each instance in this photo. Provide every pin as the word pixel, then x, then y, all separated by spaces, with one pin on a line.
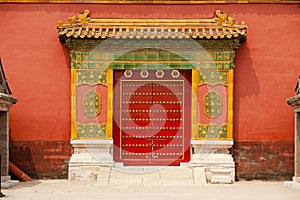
pixel 199 176
pixel 9 184
pixel 292 184
pixel 5 178
pixel 214 157
pixel 220 175
pixel 210 161
pixel 295 184
pixel 83 172
pixel 88 157
pixel 296 179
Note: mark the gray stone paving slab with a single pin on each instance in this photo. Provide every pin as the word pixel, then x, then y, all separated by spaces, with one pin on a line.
pixel 150 176
pixel 72 190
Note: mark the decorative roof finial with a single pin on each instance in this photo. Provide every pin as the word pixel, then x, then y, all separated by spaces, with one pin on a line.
pixel 223 18
pixel 84 17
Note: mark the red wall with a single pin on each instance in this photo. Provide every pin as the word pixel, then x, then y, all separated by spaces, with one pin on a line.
pixel 266 74
pixel 37 65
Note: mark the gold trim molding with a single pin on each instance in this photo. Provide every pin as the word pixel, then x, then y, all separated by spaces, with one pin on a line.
pixel 153 1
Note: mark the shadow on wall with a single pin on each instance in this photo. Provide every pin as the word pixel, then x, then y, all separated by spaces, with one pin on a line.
pixel 256 160
pixel 21 156
pixel 67 56
pixel 246 83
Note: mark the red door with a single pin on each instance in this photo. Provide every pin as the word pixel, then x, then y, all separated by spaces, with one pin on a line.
pixel 152 116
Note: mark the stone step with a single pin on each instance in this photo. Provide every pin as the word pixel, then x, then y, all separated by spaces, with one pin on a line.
pixel 151 176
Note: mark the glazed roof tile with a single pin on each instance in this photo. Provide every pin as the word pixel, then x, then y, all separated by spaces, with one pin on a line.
pixel 218 27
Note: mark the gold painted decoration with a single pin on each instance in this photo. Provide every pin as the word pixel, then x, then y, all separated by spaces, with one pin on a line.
pixel 212 104
pixel 219 55
pixel 212 131
pixel 91 104
pixel 79 56
pixel 91 77
pixel 213 78
pixel 91 130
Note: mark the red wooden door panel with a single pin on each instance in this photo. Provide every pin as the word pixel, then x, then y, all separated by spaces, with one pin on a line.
pixel 152 123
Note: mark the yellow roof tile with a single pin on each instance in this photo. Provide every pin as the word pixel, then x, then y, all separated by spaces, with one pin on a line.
pixel 219 26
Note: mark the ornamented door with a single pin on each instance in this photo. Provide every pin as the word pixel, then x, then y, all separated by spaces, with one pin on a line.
pixel 152 116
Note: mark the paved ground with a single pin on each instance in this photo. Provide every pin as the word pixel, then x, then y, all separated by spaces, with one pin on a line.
pixel 74 190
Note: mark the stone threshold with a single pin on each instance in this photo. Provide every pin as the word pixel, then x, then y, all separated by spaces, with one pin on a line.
pixel 150 175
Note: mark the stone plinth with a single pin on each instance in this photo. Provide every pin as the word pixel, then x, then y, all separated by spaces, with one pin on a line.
pixel 215 158
pixel 6 101
pixel 88 157
pixel 294 102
